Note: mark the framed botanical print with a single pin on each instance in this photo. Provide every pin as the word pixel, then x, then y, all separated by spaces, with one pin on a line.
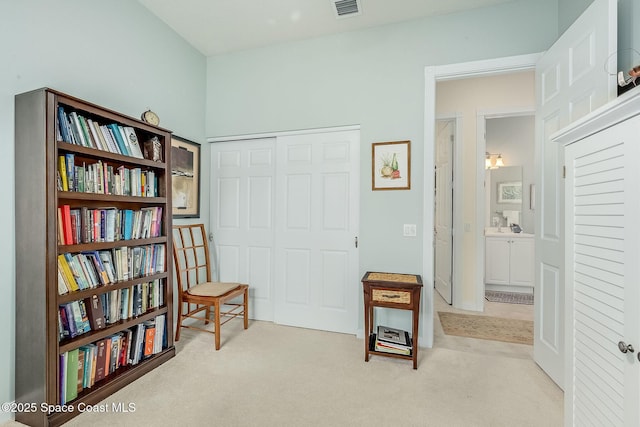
pixel 391 165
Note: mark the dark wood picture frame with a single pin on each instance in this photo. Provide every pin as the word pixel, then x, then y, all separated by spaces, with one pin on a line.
pixel 391 165
pixel 185 178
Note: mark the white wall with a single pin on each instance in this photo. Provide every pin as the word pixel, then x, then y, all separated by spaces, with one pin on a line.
pixel 467 98
pixel 115 54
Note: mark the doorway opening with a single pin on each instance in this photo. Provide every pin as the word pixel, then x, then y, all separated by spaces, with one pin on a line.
pixel 467 284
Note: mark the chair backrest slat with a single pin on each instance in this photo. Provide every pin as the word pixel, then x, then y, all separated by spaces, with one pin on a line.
pixel 191 255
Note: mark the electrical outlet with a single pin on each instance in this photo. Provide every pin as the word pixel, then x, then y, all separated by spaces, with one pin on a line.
pixel 410 230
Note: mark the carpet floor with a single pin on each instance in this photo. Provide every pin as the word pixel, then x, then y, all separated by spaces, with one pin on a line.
pixel 509 297
pixel 487 327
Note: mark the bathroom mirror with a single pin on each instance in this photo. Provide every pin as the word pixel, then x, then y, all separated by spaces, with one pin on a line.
pixel 504 186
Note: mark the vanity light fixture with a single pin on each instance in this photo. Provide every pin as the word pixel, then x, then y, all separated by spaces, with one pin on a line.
pixel 493 161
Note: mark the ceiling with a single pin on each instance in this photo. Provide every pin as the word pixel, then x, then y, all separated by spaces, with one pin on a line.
pixel 220 26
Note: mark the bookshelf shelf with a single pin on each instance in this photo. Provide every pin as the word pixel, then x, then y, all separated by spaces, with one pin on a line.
pixel 85 293
pixel 105 155
pixel 93 197
pixel 110 245
pixel 92 336
pixel 61 141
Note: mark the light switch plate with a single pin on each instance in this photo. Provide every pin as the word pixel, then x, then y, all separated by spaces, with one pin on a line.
pixel 410 230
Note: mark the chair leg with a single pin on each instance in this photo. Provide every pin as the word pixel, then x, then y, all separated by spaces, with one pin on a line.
pixel 207 315
pixel 217 323
pixel 246 308
pixel 179 321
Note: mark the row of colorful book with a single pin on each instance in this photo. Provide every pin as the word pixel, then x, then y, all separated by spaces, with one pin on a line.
pixel 77 129
pixel 101 177
pixel 96 312
pixel 83 367
pixel 391 340
pixel 108 224
pixel 92 269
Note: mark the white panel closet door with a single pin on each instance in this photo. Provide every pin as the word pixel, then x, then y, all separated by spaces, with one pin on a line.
pixel 243 202
pixel 285 221
pixel 570 82
pixel 317 281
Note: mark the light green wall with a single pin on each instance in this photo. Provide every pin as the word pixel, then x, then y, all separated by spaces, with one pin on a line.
pixel 114 54
pixel 628 34
pixel 373 78
pixel 569 10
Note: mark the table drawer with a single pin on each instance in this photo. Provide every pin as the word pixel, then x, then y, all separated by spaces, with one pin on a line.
pixel 388 295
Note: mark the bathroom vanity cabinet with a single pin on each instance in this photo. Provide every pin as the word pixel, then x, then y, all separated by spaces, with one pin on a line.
pixel 509 260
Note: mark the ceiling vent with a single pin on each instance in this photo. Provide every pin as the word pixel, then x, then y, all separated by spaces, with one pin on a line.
pixel 347 8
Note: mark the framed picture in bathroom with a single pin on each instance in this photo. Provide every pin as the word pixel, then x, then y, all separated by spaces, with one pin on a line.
pixel 510 192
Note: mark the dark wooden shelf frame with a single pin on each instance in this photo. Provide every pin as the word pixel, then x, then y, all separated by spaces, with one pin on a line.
pixel 37 348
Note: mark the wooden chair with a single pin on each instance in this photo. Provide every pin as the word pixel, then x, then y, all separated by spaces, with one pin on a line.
pixel 193 270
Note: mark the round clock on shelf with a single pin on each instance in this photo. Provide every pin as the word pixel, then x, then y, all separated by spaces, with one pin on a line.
pixel 151 118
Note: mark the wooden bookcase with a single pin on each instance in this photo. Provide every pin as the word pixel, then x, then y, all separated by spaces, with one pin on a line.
pixel 39 346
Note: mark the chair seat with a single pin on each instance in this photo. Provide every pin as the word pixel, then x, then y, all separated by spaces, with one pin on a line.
pixel 212 289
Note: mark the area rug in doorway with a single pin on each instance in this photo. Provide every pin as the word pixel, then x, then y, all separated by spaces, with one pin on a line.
pixel 508 297
pixel 487 327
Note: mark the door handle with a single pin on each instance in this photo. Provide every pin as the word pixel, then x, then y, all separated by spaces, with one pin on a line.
pixel 624 348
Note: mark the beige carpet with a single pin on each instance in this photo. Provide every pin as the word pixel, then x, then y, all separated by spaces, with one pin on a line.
pixel 278 376
pixel 487 328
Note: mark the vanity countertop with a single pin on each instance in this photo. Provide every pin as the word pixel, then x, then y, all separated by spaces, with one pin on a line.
pixel 506 232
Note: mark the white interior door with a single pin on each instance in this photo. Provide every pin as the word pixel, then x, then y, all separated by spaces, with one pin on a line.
pixel 285 220
pixel 570 82
pixel 243 208
pixel 317 281
pixel 443 208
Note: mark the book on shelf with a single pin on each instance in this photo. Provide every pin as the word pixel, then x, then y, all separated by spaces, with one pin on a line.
pixel 132 141
pixel 62 170
pixel 149 337
pixel 62 377
pixel 392 340
pixel 95 312
pixel 66 224
pixel 101 350
pixel 71 380
pixel 393 336
pixel 391 348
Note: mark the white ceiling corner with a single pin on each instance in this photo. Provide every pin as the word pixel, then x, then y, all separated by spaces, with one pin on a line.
pixel 220 26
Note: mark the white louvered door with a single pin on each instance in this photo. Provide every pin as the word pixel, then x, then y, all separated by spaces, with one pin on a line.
pixel 602 278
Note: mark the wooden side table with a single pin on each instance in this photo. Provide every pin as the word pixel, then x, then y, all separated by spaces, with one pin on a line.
pixel 391 290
